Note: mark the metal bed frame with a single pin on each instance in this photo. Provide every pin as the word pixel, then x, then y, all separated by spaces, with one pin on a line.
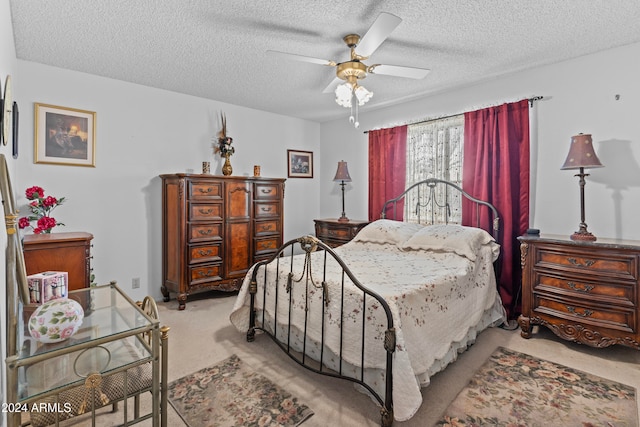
pixel 310 244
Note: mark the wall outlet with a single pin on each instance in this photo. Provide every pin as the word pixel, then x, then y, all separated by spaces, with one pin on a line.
pixel 135 282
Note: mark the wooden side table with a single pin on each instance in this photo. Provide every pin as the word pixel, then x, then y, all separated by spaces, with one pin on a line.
pixel 69 251
pixel 335 233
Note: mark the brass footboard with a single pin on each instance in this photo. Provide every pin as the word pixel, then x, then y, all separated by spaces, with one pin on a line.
pixel 281 331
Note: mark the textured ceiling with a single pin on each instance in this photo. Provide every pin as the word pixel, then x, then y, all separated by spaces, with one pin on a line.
pixel 217 49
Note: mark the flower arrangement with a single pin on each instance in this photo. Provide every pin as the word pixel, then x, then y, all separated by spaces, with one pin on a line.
pixel 41 208
pixel 224 142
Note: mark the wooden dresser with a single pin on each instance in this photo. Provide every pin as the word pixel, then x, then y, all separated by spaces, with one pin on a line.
pixel 335 233
pixel 586 292
pixel 214 228
pixel 70 252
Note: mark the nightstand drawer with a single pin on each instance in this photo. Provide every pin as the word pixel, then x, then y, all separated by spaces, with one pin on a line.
pixel 623 320
pixel 204 190
pixel 606 291
pixel 623 266
pixel 205 211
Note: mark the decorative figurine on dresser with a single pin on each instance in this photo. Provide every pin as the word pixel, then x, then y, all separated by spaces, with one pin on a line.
pixel 214 228
pixel 583 291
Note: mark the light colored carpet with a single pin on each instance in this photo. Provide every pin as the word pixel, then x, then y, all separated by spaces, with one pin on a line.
pixel 202 335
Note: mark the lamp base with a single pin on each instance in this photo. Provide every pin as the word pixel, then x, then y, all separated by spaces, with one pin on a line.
pixel 583 235
pixel 343 219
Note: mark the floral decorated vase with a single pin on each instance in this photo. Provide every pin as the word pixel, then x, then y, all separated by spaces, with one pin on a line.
pixel 56 320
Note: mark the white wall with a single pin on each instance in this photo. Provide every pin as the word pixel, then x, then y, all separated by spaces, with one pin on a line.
pixel 141 133
pixel 579 96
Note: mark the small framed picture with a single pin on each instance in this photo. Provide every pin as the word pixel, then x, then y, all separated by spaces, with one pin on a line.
pixel 65 136
pixel 300 164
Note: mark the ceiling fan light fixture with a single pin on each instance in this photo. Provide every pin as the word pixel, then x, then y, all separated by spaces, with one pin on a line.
pixel 363 95
pixel 344 93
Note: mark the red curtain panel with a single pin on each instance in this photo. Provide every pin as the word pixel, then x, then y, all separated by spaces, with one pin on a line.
pixel 496 169
pixel 387 169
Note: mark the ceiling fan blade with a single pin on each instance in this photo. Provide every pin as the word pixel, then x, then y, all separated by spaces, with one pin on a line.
pixel 379 31
pixel 302 58
pixel 396 70
pixel 331 87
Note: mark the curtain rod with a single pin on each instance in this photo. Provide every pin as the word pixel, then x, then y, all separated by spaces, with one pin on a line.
pixel 531 101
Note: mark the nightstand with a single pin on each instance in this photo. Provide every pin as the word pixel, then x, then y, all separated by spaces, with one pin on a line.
pixel 586 292
pixel 335 233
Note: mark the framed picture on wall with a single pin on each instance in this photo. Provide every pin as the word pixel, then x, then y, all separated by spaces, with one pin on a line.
pixel 300 164
pixel 64 136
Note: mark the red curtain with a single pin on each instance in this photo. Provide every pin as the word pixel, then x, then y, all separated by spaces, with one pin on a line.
pixel 387 169
pixel 496 169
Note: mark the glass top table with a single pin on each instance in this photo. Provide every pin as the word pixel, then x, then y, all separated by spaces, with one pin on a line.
pixel 109 339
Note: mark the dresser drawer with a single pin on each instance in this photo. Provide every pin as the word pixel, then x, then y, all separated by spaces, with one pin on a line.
pixel 205 211
pixel 267 244
pixel 267 192
pixel 205 232
pixel 205 273
pixel 266 227
pixel 205 253
pixel 619 319
pixel 618 293
pixel 267 209
pixel 204 190
pixel 618 265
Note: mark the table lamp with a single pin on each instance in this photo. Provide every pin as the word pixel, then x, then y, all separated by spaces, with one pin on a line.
pixel 581 156
pixel 342 175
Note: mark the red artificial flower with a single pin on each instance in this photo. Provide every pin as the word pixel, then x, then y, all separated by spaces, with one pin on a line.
pixel 46 223
pixel 50 201
pixel 41 208
pixel 34 192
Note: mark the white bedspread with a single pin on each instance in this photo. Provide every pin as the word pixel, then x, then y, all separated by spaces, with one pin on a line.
pixel 439 302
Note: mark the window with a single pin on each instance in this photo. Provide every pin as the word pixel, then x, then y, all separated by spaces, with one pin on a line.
pixel 435 150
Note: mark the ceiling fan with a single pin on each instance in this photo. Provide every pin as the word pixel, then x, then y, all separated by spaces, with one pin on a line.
pixel 350 93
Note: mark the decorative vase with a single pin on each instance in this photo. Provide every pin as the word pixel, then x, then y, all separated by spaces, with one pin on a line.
pixel 226 168
pixel 56 320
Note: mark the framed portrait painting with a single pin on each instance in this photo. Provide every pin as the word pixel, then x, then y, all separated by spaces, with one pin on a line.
pixel 300 164
pixel 65 136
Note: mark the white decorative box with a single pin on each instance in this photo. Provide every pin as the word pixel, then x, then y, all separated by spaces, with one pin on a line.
pixel 47 286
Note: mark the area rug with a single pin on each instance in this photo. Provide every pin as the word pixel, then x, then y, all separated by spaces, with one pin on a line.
pixel 515 389
pixel 231 394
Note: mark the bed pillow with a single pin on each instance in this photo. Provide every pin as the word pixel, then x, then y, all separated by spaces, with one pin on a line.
pixel 387 231
pixel 462 240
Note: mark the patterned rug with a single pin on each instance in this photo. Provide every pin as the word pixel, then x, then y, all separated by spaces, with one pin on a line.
pixel 231 394
pixel 515 389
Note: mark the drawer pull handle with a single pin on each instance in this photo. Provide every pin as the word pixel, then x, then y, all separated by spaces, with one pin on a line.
pixel 265 191
pixel 207 191
pixel 205 232
pixel 265 228
pixel 266 209
pixel 203 252
pixel 206 211
pixel 586 313
pixel 587 263
pixel 585 288
pixel 207 273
